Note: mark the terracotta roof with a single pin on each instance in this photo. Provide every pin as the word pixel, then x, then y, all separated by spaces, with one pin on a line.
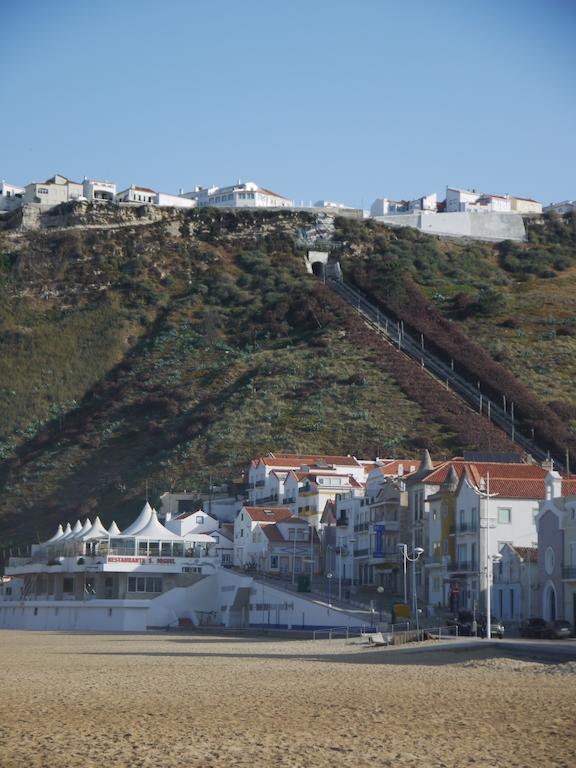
pixel 569 486
pixel 517 488
pixel 268 515
pixel 478 470
pixel 528 553
pixel 298 460
pixel 273 533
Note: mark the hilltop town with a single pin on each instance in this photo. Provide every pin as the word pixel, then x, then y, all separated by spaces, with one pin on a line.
pixel 449 217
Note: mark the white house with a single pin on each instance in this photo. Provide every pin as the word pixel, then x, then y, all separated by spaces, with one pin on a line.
pixel 135 194
pixel 53 191
pixel 425 204
pixel 383 206
pixel 94 190
pixel 275 541
pixel 468 200
pixel 11 196
pixel 264 488
pixel 246 195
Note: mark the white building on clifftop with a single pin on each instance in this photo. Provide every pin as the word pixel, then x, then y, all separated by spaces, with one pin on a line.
pixel 247 195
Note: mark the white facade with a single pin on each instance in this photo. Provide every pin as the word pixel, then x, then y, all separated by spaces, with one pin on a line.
pixel 174 201
pixel 466 200
pixel 134 194
pixel 427 203
pixel 383 206
pixel 104 191
pixel 248 195
pixel 515 585
pixel 11 196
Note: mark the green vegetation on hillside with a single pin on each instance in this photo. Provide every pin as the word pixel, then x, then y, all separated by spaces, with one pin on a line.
pixel 173 351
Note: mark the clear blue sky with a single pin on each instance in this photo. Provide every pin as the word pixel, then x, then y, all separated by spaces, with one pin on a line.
pixel 313 98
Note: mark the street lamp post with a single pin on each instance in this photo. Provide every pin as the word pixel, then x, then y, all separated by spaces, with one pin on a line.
pixel 415 555
pixel 351 542
pixel 329 576
pixel 404 548
pixel 485 494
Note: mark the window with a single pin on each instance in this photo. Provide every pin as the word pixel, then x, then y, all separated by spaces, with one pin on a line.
pixel 504 515
pixel 42 191
pixel 144 584
pixel 549 561
pixel 199 519
pixel 68 586
pixel 273 561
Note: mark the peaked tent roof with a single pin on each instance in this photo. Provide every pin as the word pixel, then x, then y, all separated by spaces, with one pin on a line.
pixel 85 528
pixel 58 535
pixel 114 530
pixel 155 530
pixel 72 533
pixel 96 532
pixel 141 521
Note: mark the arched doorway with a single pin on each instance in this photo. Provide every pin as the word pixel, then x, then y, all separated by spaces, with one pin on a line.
pixel 549 602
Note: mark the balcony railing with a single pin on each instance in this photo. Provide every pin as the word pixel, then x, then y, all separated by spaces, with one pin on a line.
pixel 342 521
pixel 463 566
pixel 569 572
pixel 466 528
pixel 361 527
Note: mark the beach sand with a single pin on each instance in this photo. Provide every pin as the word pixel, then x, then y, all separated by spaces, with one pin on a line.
pixel 183 700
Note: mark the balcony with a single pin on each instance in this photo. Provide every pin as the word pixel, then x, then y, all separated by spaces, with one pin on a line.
pixel 343 520
pixel 463 566
pixel 361 552
pixel 467 528
pixel 569 572
pixel 359 527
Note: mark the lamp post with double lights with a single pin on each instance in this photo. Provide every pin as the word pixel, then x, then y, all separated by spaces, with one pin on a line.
pixel 484 492
pixel 412 559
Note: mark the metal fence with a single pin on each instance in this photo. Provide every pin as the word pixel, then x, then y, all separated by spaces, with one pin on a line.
pixel 393 330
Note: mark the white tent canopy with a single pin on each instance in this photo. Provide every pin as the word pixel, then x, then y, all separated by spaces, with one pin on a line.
pixel 96 532
pixel 58 535
pixel 70 533
pixel 153 531
pixel 85 528
pixel 114 530
pixel 141 521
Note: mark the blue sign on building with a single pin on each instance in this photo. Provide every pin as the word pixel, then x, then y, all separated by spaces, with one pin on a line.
pixel 379 543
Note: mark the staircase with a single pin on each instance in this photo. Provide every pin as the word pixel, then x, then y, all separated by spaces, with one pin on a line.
pixel 502 415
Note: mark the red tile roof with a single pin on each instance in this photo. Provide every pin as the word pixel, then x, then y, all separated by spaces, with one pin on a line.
pixel 569 486
pixel 299 460
pixel 477 470
pixel 528 553
pixel 267 514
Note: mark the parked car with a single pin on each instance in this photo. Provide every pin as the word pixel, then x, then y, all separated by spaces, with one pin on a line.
pixel 559 629
pixel 465 623
pixel 534 627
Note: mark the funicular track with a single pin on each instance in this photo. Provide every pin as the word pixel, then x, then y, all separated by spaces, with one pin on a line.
pixel 502 415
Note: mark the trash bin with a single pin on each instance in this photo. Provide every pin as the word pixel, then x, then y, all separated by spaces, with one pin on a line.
pixel 304 583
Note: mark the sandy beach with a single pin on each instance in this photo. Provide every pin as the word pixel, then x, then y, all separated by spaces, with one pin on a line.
pixel 182 700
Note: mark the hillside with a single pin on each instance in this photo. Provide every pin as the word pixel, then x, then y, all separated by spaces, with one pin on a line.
pixel 169 347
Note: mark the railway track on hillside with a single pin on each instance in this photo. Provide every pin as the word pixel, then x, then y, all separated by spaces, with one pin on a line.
pixel 392 330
